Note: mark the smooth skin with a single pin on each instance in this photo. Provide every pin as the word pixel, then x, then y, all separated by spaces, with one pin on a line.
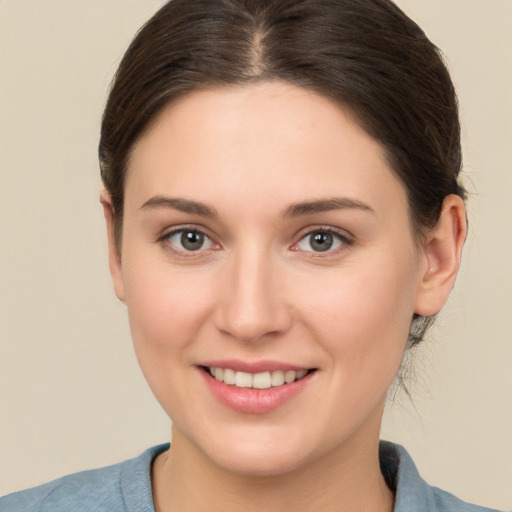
pixel 262 223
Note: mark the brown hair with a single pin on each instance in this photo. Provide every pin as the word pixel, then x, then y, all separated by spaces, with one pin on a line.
pixel 365 55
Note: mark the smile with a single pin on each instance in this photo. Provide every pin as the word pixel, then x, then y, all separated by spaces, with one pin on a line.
pixel 255 387
pixel 262 380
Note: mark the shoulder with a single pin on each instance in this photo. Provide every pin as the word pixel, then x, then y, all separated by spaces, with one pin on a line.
pixel 446 502
pixel 413 494
pixel 97 489
pixel 122 487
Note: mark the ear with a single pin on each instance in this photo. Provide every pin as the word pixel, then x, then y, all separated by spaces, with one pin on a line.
pixel 114 256
pixel 442 255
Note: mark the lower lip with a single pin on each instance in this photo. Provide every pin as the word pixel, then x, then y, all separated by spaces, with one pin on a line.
pixel 255 401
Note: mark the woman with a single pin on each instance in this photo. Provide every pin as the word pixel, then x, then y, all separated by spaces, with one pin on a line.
pixel 284 221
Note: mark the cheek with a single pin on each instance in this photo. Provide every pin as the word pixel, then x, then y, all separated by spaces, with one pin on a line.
pixel 166 308
pixel 361 315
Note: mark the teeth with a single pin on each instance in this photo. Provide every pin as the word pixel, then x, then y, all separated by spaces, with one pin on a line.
pixel 262 380
pixel 243 380
pixel 301 373
pixel 229 376
pixel 289 377
pixel 277 378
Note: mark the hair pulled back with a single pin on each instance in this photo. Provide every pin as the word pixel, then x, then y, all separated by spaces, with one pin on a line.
pixel 365 55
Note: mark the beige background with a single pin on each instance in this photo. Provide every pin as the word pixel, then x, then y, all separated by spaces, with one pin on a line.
pixel 71 394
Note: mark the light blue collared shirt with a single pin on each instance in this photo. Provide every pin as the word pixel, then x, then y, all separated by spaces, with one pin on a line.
pixel 126 487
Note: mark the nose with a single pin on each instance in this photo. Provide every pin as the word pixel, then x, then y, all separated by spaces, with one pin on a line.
pixel 252 305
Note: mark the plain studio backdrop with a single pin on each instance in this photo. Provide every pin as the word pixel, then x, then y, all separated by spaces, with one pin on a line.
pixel 71 394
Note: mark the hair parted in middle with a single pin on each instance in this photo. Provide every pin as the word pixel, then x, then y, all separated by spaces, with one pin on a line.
pixel 366 56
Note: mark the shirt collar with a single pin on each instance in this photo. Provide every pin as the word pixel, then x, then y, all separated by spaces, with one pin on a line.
pixel 401 474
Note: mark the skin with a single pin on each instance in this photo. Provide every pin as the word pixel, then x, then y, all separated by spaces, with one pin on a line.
pixel 257 290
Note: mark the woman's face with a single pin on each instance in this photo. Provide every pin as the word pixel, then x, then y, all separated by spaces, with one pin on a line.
pixel 265 233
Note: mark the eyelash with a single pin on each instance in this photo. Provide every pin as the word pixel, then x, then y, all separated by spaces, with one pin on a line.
pixel 342 241
pixel 165 240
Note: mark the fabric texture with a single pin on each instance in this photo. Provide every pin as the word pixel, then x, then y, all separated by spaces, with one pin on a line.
pixel 126 487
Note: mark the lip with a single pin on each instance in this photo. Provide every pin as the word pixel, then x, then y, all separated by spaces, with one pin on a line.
pixel 253 366
pixel 249 400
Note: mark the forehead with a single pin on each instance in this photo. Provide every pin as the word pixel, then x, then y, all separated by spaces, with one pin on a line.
pixel 270 139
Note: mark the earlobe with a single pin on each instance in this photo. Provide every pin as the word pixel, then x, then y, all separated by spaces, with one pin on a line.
pixel 442 256
pixel 114 256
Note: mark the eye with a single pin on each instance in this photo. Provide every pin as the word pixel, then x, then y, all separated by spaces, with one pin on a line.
pixel 321 240
pixel 188 240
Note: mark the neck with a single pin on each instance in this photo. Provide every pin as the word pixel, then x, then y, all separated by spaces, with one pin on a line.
pixel 185 480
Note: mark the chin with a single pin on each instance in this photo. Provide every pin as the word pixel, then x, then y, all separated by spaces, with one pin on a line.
pixel 259 463
pixel 267 453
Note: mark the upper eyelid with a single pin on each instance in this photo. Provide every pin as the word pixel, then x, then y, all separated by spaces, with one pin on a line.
pixel 184 227
pixel 342 233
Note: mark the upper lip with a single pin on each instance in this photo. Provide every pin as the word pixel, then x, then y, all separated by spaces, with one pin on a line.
pixel 253 366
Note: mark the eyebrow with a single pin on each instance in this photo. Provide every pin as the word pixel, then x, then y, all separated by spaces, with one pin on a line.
pixel 325 205
pixel 294 210
pixel 182 205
